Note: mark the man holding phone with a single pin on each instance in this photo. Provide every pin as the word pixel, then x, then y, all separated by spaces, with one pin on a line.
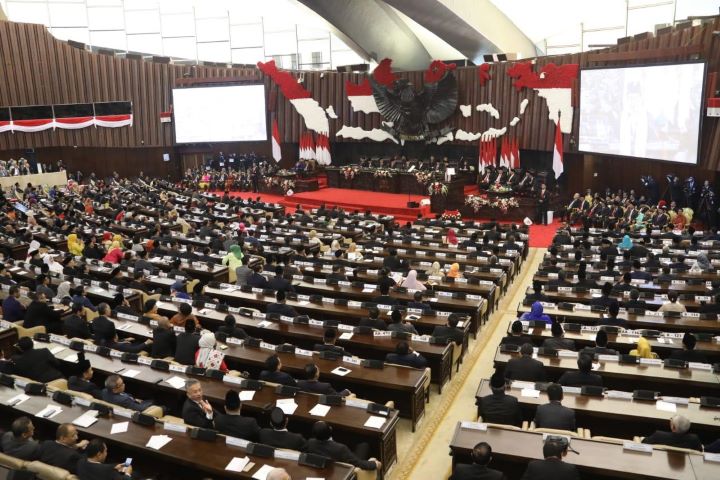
pixel 93 468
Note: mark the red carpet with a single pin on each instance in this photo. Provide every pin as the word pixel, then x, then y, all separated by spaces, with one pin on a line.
pixel 389 203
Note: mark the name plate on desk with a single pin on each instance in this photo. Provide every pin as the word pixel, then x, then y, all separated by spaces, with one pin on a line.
pixel 702 298
pixel 235 341
pixel 435 278
pixel 345 328
pixel 441 254
pixel 699 366
pixel 381 333
pixel 303 298
pixel 565 289
pixel 321 281
pixel 607 279
pixel 567 353
pixel 712 457
pixel 608 358
pixel 175 427
pixel 552 275
pixel 236 442
pixel 420 338
pixel 617 394
pixel 302 352
pixel 474 426
pixel 691 314
pixel 461 257
pixel 125 316
pixel 258 315
pixel 354 304
pixel 678 282
pixel 372 272
pixel 382 307
pixel 442 314
pixel 257 290
pixel 651 313
pixel 232 379
pixel 637 447
pixel 487 282
pixel 573 390
pixel 349 359
pixel 422 253
pixel 343 283
pixel 267 346
pixel 60 339
pixel 651 361
pixel 461 280
pixel 445 294
pixel 144 360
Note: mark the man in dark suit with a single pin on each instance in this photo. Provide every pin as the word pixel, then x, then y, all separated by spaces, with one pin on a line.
pixel 635 301
pixel 82 382
pixel 557 341
pixel 373 320
pixel 93 468
pixel 103 328
pixel 76 326
pixel 537 295
pixel 18 442
pixel 600 348
pixel 450 331
pixel 164 340
pixel 37 364
pixel 418 303
pixel 39 313
pixel 278 283
pixel 516 336
pixel 478 470
pixel 196 410
pixel 384 298
pixel 273 374
pixel 688 353
pixel 583 376
pixel 525 367
pixel 553 414
pixel 711 308
pixel 499 407
pixel 552 467
pixel 279 307
pixel 323 444
pixel 612 318
pixel 64 451
pixel 678 436
pixel 404 355
pixel 230 328
pixel 232 423
pixel 313 384
pixel 328 345
pixel 393 262
pixel 186 344
pixel 278 435
pixel 114 392
pixel 255 279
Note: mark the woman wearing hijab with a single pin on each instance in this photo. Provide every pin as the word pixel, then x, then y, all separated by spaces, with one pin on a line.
pixel 536 313
pixel 114 255
pixel 313 238
pixel 335 246
pixel 234 257
pixel 702 263
pixel 626 243
pixel 63 290
pixel 451 238
pixel 74 245
pixel 107 239
pixel 119 239
pixel 434 270
pixel 411 282
pixel 454 271
pixel 353 253
pixel 643 349
pixel 207 356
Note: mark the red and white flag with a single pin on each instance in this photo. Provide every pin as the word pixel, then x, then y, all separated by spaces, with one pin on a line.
pixel 322 150
pixel 516 154
pixel 276 141
pixel 481 156
pixel 558 152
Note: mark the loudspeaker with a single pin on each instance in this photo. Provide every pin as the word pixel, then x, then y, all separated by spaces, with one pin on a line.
pixel 7 380
pixel 509 348
pixel 378 409
pixel 327 355
pixel 547 352
pixel 647 395
pixel 77 345
pixel 630 359
pixel 215 374
pixel 675 363
pixel 102 409
pixel 252 384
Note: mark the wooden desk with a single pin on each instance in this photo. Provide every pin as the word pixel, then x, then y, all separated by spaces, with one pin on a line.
pixel 8 338
pixel 691 305
pixel 597 459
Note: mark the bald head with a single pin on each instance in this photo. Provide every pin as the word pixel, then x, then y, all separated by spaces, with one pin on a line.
pixel 278 474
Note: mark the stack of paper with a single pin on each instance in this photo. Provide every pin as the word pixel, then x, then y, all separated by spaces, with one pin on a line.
pixel 375 422
pixel 262 472
pixel 158 441
pixel 246 395
pixel 287 405
pixel 49 412
pixel 320 410
pixel 17 400
pixel 86 419
pixel 121 427
pixel 175 382
pixel 130 373
pixel 237 464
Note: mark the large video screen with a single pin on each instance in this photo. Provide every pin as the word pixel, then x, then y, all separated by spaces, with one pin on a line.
pixel 649 112
pixel 220 114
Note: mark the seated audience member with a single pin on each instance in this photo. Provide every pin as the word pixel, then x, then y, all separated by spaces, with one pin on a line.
pixel 600 348
pixel 186 344
pixel 37 364
pixel 525 367
pixel 183 314
pixel 82 382
pixel 635 301
pixel 583 376
pixel 40 314
pixel 12 309
pixel 256 279
pixel 197 411
pixel 397 325
pixel 454 271
pixel 373 320
pixel 450 331
pixel 604 300
pixel 243 272
pixel 278 435
pixel 536 313
pixel 103 328
pixel 638 274
pixel 18 442
pixel 323 444
pixel 278 474
pixel 688 353
pixel 207 356
pixel 666 276
pixel 272 372
pixel 611 318
pixel 557 341
pixel 537 295
pixel 384 298
pixel 553 414
pixel 114 392
pixel 499 407
pixel 411 282
pixel 233 423
pixel 672 304
pixel 404 355
pixel 164 340
pixel 418 303
pixel 678 436
pixel 516 335
pixel 625 284
pixel 128 346
pixel 583 281
pixel 478 469
pixel 91 466
pixel 63 452
pixel 552 467
pixel 280 307
pixel 643 349
pixel 710 308
pixel 278 283
pixel 313 384
pixel 43 286
pixel 230 328
pixel 337 273
pixel 328 345
pixel 76 326
pixel 393 262
pixel 150 310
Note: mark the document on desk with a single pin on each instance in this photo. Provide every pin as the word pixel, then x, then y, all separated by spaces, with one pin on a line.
pixel 56 350
pixel 175 382
pixel 120 427
pixel 375 422
pixel 530 393
pixel 320 410
pixel 158 441
pixel 287 405
pixel 237 464
pixel 342 371
pixel 263 472
pixel 17 400
pixel 246 395
pixel 86 419
pixel 130 373
pixel 346 336
pixel 49 412
pixel 665 406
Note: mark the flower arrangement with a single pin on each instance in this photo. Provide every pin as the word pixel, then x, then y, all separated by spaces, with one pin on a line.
pixel 497 188
pixel 504 204
pixel 349 172
pixel 451 215
pixel 287 185
pixel 382 173
pixel 272 181
pixel 437 188
pixel 476 202
pixel 423 177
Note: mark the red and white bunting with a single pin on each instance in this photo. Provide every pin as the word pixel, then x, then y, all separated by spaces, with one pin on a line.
pixel 67 123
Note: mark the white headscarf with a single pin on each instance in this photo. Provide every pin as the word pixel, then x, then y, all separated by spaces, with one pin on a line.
pixel 411 282
pixel 208 357
pixel 63 290
pixel 434 270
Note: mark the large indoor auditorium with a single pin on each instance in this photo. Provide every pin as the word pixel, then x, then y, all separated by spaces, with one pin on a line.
pixel 359 239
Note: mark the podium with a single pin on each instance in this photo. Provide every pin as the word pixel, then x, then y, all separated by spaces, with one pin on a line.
pixel 454 199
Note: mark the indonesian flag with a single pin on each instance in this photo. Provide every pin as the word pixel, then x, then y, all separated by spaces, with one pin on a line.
pixel 322 151
pixel 516 154
pixel 558 152
pixel 504 153
pixel 310 146
pixel 481 158
pixel 511 153
pixel 276 141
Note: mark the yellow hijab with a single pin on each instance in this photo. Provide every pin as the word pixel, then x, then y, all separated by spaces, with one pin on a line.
pixel 643 349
